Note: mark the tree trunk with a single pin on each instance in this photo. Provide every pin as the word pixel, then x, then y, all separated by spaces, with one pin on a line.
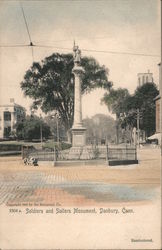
pixel 69 137
pixel 131 135
pixel 117 130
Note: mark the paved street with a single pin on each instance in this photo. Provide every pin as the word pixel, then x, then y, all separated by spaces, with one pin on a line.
pixel 82 185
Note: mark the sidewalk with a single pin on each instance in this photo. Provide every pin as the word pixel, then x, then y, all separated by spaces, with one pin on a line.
pixel 83 185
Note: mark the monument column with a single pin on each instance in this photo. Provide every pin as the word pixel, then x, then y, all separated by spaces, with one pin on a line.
pixel 77 97
pixel 78 131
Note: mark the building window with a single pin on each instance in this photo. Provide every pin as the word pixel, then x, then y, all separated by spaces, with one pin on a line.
pixel 7 131
pixel 143 79
pixel 7 116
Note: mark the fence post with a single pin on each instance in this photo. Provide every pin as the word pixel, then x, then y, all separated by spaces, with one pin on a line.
pixel 107 153
pixel 55 153
pixel 135 153
pixel 22 152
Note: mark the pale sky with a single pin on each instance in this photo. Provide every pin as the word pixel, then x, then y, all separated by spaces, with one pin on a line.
pixel 131 26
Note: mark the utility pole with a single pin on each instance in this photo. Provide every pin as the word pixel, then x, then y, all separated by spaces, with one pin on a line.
pixel 138 127
pixel 41 134
pixel 117 130
pixel 54 149
pixel 57 124
pixel 55 116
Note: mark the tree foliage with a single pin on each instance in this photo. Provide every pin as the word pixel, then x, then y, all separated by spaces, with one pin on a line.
pixel 115 100
pixel 143 99
pixel 30 128
pixel 56 126
pixel 51 83
pixel 100 127
pixel 125 106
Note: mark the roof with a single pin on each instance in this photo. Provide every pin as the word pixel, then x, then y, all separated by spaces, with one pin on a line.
pixel 13 105
pixel 156 136
pixel 157 97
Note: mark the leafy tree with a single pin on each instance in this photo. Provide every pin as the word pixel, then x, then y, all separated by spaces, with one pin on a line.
pixel 115 101
pixel 51 83
pixel 125 107
pixel 143 99
pixel 56 124
pixel 99 127
pixel 31 127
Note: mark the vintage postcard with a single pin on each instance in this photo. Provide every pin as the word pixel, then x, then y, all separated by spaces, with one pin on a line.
pixel 80 124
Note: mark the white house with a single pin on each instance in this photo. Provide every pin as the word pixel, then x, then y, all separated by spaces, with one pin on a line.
pixel 10 114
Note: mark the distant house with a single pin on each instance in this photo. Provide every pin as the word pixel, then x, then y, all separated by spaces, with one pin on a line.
pixel 10 114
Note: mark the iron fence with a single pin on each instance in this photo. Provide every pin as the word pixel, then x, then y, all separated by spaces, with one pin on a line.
pixel 85 153
pixel 88 153
pixel 41 155
pixel 121 153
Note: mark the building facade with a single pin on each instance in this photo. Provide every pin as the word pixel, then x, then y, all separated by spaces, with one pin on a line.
pixel 157 103
pixel 145 78
pixel 9 115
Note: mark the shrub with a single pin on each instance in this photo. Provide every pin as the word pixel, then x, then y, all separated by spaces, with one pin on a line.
pixel 61 146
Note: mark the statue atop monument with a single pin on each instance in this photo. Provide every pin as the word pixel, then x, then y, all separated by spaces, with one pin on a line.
pixel 77 54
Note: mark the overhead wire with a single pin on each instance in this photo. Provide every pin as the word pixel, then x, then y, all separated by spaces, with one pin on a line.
pixel 25 22
pixel 78 39
pixel 87 50
pixel 98 51
pixel 13 46
pixel 27 28
pixel 118 52
pixel 61 48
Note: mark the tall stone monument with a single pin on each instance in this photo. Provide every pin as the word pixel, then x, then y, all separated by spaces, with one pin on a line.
pixel 78 131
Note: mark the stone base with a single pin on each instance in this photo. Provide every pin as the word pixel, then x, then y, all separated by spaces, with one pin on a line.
pixel 78 137
pixel 80 153
pixel 75 163
pixel 121 162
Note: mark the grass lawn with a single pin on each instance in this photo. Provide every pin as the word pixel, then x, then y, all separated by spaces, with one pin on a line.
pixel 34 144
pixel 48 144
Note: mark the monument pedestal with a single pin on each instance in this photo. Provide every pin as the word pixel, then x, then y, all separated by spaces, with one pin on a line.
pixel 78 143
pixel 78 137
pixel 80 153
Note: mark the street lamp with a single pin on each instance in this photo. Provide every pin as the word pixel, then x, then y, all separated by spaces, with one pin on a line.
pixel 136 113
pixel 54 149
pixel 57 126
pixel 56 115
pixel 41 132
pixel 138 127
